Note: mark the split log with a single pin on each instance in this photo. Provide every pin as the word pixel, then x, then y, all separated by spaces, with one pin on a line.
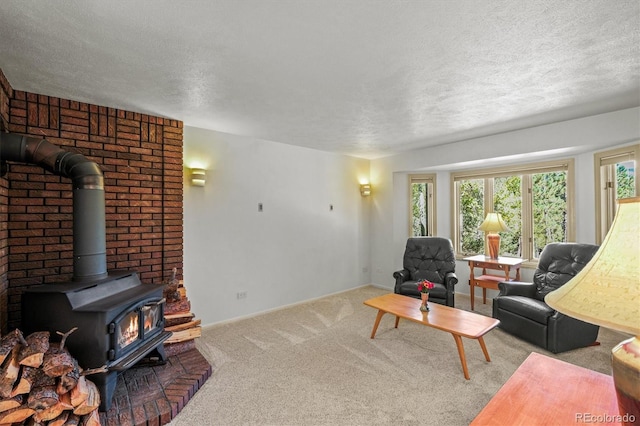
pixel 91 403
pixel 8 342
pixel 32 422
pixel 91 419
pixel 25 381
pixel 183 326
pixel 69 380
pixel 41 379
pixel 16 415
pixel 72 420
pixel 183 335
pixel 9 373
pixel 80 393
pixel 181 306
pixel 9 403
pixel 49 413
pixel 61 420
pixel 58 361
pixel 33 354
pixel 65 400
pixel 175 319
pixel 43 397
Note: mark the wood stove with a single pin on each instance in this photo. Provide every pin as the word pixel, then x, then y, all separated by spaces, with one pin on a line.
pixel 119 320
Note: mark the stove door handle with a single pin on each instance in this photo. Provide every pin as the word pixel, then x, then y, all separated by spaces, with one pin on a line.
pixel 159 302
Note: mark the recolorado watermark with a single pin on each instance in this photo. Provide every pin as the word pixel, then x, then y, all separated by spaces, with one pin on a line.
pixel 604 418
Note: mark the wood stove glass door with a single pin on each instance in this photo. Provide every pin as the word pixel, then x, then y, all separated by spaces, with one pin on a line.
pixel 128 330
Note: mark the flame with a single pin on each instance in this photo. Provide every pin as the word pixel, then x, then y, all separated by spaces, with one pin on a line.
pixel 150 317
pixel 130 333
pixel 148 320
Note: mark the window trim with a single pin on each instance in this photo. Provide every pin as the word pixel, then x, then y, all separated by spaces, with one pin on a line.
pixel 605 158
pixel 525 169
pixel 431 206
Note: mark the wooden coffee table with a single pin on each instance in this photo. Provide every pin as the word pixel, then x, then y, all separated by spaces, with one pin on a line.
pixel 455 321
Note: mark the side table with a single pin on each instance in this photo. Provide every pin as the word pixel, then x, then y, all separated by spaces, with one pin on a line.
pixel 505 264
pixel 547 391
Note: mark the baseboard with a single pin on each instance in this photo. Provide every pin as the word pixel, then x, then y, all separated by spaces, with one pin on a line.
pixel 266 311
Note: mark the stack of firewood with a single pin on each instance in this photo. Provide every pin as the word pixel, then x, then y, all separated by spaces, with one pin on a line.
pixel 178 318
pixel 41 383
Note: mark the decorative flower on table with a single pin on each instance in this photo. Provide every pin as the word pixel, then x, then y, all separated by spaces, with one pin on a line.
pixel 424 286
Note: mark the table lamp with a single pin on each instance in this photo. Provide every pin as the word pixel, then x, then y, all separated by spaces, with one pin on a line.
pixel 492 225
pixel 606 292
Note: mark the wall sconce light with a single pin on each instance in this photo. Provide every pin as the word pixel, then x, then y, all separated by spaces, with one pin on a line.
pixel 365 189
pixel 198 177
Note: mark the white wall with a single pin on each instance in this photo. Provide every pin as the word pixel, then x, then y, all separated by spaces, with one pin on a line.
pixel 295 250
pixel 298 250
pixel 577 139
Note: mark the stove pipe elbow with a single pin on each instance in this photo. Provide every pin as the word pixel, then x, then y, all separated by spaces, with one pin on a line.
pixel 89 230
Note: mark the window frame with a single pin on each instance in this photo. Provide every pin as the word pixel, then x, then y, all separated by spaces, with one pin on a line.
pixel 431 211
pixel 525 170
pixel 605 198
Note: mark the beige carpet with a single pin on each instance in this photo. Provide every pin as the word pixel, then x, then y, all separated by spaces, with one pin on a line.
pixel 314 364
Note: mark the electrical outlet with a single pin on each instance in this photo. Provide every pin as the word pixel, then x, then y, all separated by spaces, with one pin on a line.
pixel 330 207
pixel 241 295
pixel 259 207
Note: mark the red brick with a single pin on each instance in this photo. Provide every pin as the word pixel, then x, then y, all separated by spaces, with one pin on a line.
pixel 32 114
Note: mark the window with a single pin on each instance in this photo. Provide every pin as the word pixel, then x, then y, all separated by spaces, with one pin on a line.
pixel 616 178
pixel 534 200
pixel 422 220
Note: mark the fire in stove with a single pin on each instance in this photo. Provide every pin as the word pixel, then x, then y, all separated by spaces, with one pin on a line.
pixel 151 316
pixel 129 327
pixel 128 334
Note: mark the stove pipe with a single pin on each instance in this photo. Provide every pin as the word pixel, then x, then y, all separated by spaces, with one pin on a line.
pixel 89 235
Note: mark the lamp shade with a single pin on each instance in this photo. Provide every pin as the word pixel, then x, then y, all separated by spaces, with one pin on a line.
pixel 493 223
pixel 606 291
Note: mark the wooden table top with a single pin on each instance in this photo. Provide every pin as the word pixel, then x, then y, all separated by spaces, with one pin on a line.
pixel 445 318
pixel 547 391
pixel 481 258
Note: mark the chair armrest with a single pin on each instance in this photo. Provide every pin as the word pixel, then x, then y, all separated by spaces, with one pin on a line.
pixel 400 276
pixel 450 280
pixel 566 333
pixel 517 288
pixel 403 274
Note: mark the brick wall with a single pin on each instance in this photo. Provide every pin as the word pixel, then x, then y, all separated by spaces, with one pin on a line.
pixel 141 158
pixel 5 94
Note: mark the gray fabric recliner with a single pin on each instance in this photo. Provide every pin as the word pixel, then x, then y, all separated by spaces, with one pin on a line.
pixel 428 258
pixel 521 309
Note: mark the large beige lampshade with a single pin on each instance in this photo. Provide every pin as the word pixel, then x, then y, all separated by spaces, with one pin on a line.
pixel 607 292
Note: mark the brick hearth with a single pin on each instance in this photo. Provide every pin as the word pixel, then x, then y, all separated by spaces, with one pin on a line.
pixel 155 395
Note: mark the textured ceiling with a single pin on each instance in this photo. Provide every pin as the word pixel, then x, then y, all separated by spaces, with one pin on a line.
pixel 362 77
